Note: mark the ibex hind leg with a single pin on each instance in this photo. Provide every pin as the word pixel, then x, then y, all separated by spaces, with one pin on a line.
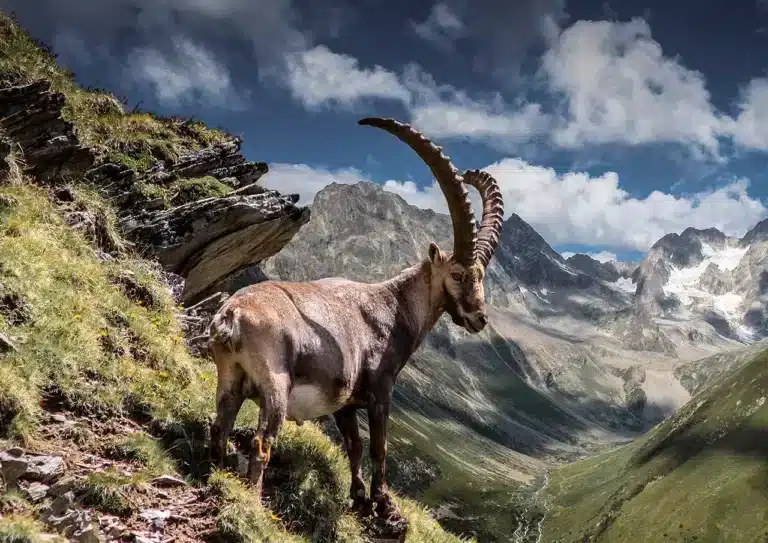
pixel 230 395
pixel 273 399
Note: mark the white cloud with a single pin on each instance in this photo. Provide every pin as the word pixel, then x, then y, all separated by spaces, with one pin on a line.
pixel 575 208
pixel 307 181
pixel 614 81
pixel 619 87
pixel 190 73
pixel 444 111
pixel 571 208
pixel 441 27
pixel 750 127
pixel 319 76
pixel 602 256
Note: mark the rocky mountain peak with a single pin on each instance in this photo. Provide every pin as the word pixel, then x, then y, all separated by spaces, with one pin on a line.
pixel 709 275
pixel 758 233
pixel 602 270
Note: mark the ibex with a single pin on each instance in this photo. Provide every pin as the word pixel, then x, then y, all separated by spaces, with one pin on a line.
pixel 333 346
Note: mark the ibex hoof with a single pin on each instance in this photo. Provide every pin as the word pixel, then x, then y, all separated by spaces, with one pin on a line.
pixel 263 448
pixel 386 508
pixel 361 504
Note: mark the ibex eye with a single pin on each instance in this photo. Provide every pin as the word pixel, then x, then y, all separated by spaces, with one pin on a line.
pixel 456 277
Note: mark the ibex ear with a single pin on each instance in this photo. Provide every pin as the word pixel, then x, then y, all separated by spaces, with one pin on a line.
pixel 436 255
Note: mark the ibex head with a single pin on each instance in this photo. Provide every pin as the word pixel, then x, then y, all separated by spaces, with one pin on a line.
pixel 458 276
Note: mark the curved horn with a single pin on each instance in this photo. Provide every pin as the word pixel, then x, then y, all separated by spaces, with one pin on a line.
pixel 448 178
pixel 493 214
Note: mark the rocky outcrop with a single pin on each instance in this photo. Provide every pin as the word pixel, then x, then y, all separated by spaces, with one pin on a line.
pixel 209 240
pixel 30 117
pixel 202 215
pixel 221 160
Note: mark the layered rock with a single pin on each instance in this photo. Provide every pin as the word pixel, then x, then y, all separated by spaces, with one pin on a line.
pixel 30 117
pixel 206 240
pixel 221 160
pixel 209 240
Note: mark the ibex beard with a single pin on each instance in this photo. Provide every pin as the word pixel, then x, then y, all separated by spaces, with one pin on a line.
pixel 304 350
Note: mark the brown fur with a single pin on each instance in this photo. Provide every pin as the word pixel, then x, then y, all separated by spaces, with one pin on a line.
pixel 347 339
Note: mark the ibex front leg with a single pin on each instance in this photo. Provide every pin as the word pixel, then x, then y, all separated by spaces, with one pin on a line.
pixel 273 396
pixel 378 420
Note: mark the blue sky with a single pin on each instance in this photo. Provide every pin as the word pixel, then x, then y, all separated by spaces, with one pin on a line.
pixel 607 124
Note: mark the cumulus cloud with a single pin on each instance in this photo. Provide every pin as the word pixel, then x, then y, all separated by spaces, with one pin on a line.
pixel 566 209
pixel 445 111
pixel 319 76
pixel 602 256
pixel 610 82
pixel 307 181
pixel 619 87
pixel 750 127
pixel 575 208
pixel 189 73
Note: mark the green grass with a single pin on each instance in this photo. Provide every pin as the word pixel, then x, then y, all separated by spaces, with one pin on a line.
pixel 242 518
pixel 75 309
pixel 23 529
pixel 184 191
pixel 108 491
pixel 135 139
pixel 106 235
pixel 699 476
pixel 146 451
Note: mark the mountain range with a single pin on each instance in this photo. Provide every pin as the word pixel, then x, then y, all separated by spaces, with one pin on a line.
pixel 579 356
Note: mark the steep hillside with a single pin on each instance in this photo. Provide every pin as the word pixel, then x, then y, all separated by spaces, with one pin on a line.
pixel 104 410
pixel 699 476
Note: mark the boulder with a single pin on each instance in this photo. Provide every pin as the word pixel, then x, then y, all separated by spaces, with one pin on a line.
pixel 43 468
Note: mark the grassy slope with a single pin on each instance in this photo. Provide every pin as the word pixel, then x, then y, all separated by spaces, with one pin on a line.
pixel 87 347
pixel 699 476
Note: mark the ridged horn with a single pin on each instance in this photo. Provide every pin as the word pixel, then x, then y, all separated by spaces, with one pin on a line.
pixel 447 176
pixel 493 214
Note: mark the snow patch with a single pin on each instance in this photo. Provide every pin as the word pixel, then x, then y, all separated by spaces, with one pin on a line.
pixel 625 284
pixel 683 283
